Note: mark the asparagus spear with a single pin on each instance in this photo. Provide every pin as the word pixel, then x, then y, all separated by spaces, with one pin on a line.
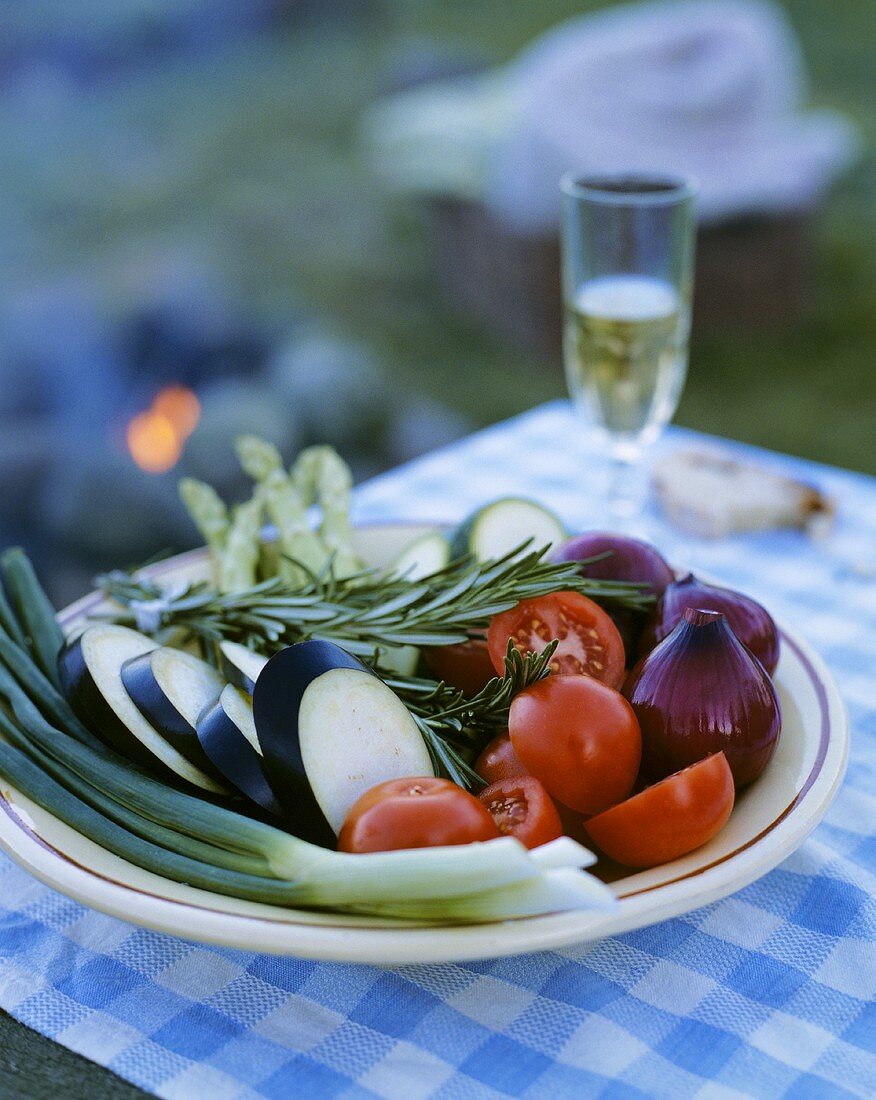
pixel 239 559
pixel 321 474
pixel 285 506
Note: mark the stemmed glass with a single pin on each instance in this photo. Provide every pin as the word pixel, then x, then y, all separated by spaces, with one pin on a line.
pixel 627 244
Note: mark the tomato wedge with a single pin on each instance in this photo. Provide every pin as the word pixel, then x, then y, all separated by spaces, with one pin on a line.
pixel 420 812
pixel 499 761
pixel 522 808
pixel 466 666
pixel 580 738
pixel 670 819
pixel 589 641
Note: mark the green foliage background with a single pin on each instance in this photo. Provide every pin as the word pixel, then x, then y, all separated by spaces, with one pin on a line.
pixel 252 157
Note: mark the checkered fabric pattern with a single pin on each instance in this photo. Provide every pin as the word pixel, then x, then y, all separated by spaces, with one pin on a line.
pixel 768 993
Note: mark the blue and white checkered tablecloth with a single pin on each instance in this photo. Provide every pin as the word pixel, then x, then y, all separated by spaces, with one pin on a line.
pixel 768 993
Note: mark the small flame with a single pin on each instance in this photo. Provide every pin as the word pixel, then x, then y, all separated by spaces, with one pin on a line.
pixel 156 437
pixel 181 408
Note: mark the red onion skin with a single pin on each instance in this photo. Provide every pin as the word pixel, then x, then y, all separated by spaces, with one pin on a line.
pixel 749 620
pixel 629 559
pixel 701 691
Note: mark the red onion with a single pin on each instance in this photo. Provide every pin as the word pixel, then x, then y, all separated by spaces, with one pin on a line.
pixel 701 691
pixel 750 622
pixel 626 559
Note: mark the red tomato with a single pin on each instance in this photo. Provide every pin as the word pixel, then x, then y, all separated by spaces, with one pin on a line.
pixel 580 738
pixel 669 819
pixel 420 812
pixel 466 666
pixel 589 640
pixel 522 808
pixel 499 761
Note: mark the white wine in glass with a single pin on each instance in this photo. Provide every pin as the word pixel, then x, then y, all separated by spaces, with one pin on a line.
pixel 627 274
pixel 626 353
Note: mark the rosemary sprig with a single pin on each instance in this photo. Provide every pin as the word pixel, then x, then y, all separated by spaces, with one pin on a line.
pixel 363 611
pixel 450 722
pixel 370 611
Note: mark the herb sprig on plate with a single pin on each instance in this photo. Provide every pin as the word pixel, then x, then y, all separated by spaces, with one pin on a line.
pixel 370 612
pixel 449 721
pixel 362 612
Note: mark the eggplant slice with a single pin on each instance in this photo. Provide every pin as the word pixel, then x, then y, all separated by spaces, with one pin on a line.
pixel 171 689
pixel 90 668
pixel 330 730
pixel 226 731
pixel 240 665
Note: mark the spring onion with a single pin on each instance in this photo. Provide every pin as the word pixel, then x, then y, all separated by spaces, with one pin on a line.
pixel 554 891
pixel 53 760
pixel 36 686
pixel 33 610
pixel 320 873
pixel 142 827
pixel 434 883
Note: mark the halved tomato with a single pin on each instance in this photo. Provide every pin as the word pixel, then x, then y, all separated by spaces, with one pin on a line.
pixel 589 641
pixel 670 819
pixel 522 808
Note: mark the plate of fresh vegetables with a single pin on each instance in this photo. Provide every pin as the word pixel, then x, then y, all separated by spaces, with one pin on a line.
pixel 400 743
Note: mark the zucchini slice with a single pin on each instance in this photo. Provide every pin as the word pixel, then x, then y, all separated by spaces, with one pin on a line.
pixel 90 668
pixel 422 557
pixel 496 528
pixel 427 554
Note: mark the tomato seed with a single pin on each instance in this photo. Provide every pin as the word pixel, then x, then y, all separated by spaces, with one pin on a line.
pixel 508 812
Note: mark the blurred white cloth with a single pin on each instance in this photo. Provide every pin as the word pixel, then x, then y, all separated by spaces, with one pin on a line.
pixel 706 88
pixel 712 89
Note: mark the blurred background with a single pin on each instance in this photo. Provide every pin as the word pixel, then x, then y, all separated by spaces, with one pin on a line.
pixel 335 220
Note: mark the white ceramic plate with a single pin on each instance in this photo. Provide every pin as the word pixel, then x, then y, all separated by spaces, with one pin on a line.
pixel 770 820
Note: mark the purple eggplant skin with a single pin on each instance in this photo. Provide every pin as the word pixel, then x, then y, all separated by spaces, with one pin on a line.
pixel 159 712
pixel 234 758
pixel 275 702
pixel 91 708
pixel 702 691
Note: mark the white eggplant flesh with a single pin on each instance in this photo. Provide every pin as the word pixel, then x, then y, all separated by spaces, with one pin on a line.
pixel 91 675
pixel 170 689
pixel 240 665
pixel 355 733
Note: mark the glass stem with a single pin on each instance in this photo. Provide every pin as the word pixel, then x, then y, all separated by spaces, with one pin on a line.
pixel 626 486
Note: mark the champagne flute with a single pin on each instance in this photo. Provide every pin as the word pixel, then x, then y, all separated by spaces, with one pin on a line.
pixel 627 244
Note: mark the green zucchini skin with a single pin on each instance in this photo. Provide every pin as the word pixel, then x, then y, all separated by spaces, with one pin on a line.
pixel 464 539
